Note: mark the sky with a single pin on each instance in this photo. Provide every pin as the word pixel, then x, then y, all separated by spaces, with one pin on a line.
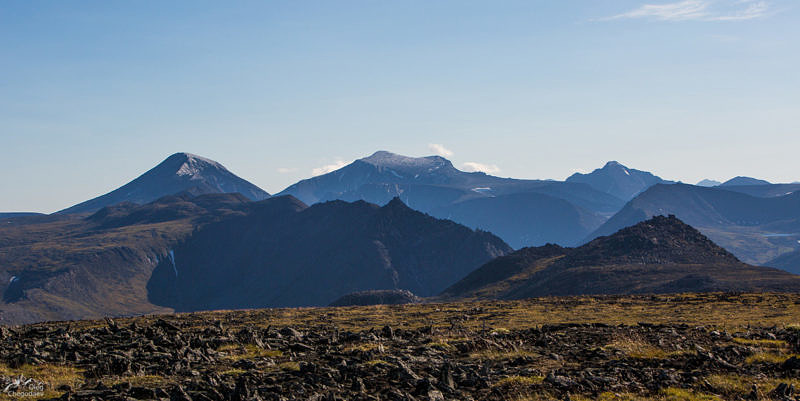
pixel 94 93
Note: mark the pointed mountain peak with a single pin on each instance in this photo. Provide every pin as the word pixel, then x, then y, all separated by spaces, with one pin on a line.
pixel 396 203
pixel 618 180
pixel 660 240
pixel 187 164
pixel 180 172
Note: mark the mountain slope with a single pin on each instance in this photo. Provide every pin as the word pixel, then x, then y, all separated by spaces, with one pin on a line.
pixel 618 180
pixel 432 185
pixel 62 267
pixel 740 180
pixel 660 255
pixel 425 183
pixel 525 219
pixel 755 229
pixel 179 172
pixel 764 190
pixel 789 261
pixel 314 256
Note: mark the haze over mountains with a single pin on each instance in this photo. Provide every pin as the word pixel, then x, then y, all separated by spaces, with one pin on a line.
pixel 208 239
pixel 618 180
pixel 522 212
pixel 755 228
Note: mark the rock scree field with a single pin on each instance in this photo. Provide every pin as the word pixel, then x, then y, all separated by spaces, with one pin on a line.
pixel 717 346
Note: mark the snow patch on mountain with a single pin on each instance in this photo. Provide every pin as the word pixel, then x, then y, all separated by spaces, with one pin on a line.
pixel 172 261
pixel 395 161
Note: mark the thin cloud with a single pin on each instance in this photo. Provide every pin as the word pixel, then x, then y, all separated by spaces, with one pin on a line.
pixel 328 168
pixel 286 170
pixel 440 150
pixel 699 10
pixel 486 168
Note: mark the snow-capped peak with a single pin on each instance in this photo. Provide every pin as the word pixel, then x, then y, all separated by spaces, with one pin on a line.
pixel 387 159
pixel 193 164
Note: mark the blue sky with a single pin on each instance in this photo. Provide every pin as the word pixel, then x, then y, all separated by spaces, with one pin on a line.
pixel 93 93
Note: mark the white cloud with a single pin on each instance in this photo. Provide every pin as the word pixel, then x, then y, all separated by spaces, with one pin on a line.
pixel 486 168
pixel 328 168
pixel 440 150
pixel 286 170
pixel 699 10
pixel 755 9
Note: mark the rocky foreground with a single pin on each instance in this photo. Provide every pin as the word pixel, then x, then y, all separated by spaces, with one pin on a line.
pixel 431 352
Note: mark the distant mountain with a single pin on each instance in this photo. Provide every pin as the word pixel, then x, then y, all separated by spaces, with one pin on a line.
pixel 525 219
pixel 789 261
pixel 660 255
pixel 755 229
pixel 282 253
pixel 179 172
pixel 708 183
pixel 764 190
pixel 618 180
pixel 744 181
pixel 432 185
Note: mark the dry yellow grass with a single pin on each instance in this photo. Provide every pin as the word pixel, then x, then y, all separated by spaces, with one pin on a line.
pixel 290 366
pixel 519 381
pixel 235 352
pixel 722 311
pixel 761 343
pixel 738 386
pixel 634 347
pixel 52 376
pixel 768 357
pixel 679 394
pixel 141 381
pixel 499 355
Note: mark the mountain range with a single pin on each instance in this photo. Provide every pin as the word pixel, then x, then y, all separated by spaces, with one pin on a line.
pixel 660 255
pixel 755 228
pixel 284 253
pixel 185 252
pixel 522 212
pixel 190 235
pixel 615 179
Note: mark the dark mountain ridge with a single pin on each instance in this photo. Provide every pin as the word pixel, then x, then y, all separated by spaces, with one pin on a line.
pixel 756 229
pixel 660 255
pixel 306 256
